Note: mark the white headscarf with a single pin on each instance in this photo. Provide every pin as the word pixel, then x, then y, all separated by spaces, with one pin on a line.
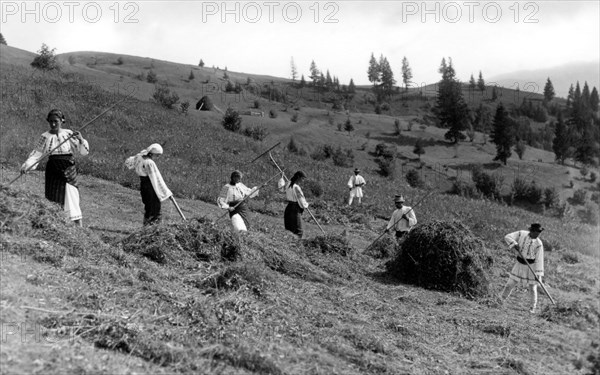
pixel 154 148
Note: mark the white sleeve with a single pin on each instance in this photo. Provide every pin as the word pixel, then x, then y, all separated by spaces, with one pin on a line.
pixel 511 239
pixel 222 199
pixel 281 185
pixel 300 197
pixel 350 182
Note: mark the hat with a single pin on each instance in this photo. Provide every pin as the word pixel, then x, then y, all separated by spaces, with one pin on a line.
pixel 356 170
pixel 536 227
pixel 399 198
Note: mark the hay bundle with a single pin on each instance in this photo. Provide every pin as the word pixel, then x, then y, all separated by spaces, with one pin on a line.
pixel 444 256
pixel 330 243
pixel 196 240
pixel 384 247
pixel 204 104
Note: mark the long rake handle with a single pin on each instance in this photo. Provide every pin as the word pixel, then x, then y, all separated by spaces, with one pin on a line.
pixel 537 279
pixel 177 207
pixel 307 209
pixel 68 138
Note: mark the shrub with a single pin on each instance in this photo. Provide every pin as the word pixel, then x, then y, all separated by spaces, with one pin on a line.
pixel 343 158
pixel 232 120
pixel 397 129
pixel 273 113
pixel 589 215
pixel 534 193
pixel 313 188
pixel 593 177
pixel 45 60
pixel 465 189
pixel 257 132
pixel 444 256
pixel 519 188
pixel 551 197
pixel 348 126
pixel 584 171
pixel 119 61
pixel 579 197
pixel 184 106
pixel 414 179
pixel 291 146
pixel 295 117
pixel 595 198
pixel 488 185
pixel 257 104
pixel 151 77
pixel 163 96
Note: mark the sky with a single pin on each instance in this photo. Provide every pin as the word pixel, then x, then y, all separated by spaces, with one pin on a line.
pixel 262 37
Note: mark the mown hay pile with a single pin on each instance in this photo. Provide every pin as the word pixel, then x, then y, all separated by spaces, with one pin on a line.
pixel 330 243
pixel 444 256
pixel 194 240
pixel 384 247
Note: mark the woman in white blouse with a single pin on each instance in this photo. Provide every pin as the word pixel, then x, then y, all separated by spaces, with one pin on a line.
pixel 232 198
pixel 61 171
pixel 292 217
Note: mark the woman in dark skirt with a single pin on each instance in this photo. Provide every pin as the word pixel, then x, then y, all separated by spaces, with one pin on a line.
pixel 61 172
pixel 292 217
pixel 152 186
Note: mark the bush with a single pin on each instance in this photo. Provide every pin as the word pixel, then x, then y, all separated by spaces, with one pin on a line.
pixel 488 185
pixel 584 171
pixel 163 96
pixel 151 77
pixel 295 117
pixel 45 60
pixel 414 179
pixel 579 197
pixel 348 126
pixel 465 189
pixel 119 61
pixel 273 113
pixel 589 215
pixel 444 256
pixel 184 106
pixel 257 104
pixel 232 120
pixel 593 177
pixel 551 197
pixel 313 188
pixel 292 147
pixel 343 158
pixel 257 132
pixel 397 128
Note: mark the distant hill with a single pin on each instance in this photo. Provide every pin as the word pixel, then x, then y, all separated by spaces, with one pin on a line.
pixel 562 77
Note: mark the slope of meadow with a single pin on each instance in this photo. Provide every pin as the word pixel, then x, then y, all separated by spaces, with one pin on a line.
pixel 191 298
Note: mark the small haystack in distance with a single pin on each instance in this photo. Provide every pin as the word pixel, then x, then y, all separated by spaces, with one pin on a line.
pixel 204 104
pixel 444 256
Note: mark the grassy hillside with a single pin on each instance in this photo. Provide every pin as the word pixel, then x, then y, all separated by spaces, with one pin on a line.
pixel 170 299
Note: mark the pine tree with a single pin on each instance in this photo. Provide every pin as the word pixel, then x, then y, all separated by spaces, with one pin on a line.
pixel 201 63
pixel 406 73
pixel 560 143
pixel 452 111
pixel 314 73
pixel 374 71
pixel 494 94
pixel 481 82
pixel 387 76
pixel 328 81
pixel 585 96
pixel 2 40
pixel 472 83
pixel 351 87
pixel 302 82
pixel 294 70
pixel 502 134
pixel 594 100
pixel 191 76
pixel 548 91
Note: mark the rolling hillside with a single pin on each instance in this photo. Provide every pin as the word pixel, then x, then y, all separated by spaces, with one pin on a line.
pixel 190 297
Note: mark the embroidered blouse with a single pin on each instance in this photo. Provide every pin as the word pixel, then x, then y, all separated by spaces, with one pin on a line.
pixel 292 194
pixel 48 141
pixel 146 167
pixel 402 225
pixel 530 248
pixel 230 193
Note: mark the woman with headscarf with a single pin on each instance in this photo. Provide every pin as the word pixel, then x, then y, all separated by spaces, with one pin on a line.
pixel 232 198
pixel 61 171
pixel 152 186
pixel 292 217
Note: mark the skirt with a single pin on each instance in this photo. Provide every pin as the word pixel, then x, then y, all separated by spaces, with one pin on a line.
pixel 239 216
pixel 61 184
pixel 292 218
pixel 151 202
pixel 522 275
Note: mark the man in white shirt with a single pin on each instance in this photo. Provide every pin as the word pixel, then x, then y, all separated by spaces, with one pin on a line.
pixel 403 218
pixel 355 185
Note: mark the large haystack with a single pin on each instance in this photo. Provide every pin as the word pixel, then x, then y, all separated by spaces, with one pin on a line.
pixel 444 256
pixel 204 104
